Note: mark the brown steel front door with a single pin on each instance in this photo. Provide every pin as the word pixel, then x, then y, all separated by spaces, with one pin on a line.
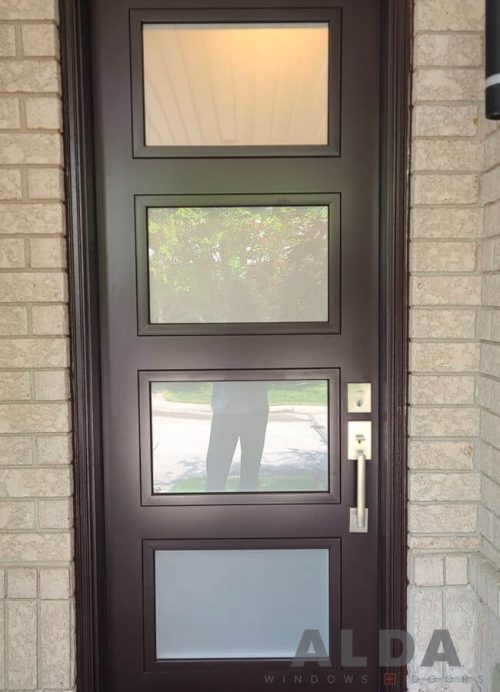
pixel 237 158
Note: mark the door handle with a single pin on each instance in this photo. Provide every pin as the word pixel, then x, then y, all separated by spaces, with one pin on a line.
pixel 359 433
pixel 361 490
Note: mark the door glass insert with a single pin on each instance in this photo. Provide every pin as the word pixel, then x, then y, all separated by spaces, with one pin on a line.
pixel 240 436
pixel 230 84
pixel 254 264
pixel 221 604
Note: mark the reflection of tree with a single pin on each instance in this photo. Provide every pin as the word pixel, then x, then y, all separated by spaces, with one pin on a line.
pixel 229 263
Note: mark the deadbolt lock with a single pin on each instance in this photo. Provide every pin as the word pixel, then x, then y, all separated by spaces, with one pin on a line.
pixel 359 397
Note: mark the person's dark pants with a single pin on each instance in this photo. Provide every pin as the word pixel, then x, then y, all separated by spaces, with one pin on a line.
pixel 227 428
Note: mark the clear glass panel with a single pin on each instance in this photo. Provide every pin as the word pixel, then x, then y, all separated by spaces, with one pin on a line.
pixel 238 264
pixel 236 84
pixel 239 603
pixel 240 436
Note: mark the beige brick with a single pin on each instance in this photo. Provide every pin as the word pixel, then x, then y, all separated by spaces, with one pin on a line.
pixel 491 290
pixel 10 117
pixel 30 147
pixel 31 218
pixel 442 389
pixel 28 9
pixel 22 645
pixel 2 595
pixel 445 189
pixel 461 542
pixel 489 394
pixel 457 517
pixel 15 451
pixel 14 385
pixel 11 253
pixel 54 583
pixel 428 570
pixel 435 84
pixel 490 494
pixel 13 320
pixel 448 50
pixel 490 428
pixel 492 149
pixel 456 569
pixel 442 324
pixel 444 422
pixel 40 40
pixel 438 487
pixel 446 290
pixel 443 256
pixel 444 357
pixel 492 219
pixel 48 252
pixel 54 449
pixel 32 287
pixel 491 186
pixel 35 547
pixel 17 515
pixel 43 113
pixel 34 417
pixel 10 183
pixel 489 461
pixel 490 359
pixel 55 655
pixel 446 222
pixel 51 384
pixel 29 76
pixel 33 353
pixel 426 615
pixel 449 15
pixel 490 254
pixel 35 482
pixel 7 40
pixel 45 183
pixel 445 121
pixel 55 514
pixel 22 582
pixel 488 324
pixel 441 455
pixel 50 320
pixel 447 155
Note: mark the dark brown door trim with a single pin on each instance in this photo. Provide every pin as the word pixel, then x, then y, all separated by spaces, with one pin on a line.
pixel 80 202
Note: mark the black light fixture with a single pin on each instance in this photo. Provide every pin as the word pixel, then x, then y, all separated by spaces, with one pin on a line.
pixel 493 59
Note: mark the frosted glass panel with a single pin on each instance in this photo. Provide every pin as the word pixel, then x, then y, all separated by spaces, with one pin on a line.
pixel 239 603
pixel 236 84
pixel 240 436
pixel 238 264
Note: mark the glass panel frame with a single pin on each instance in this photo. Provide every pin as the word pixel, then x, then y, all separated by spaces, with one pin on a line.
pixel 180 668
pixel 331 325
pixel 149 497
pixel 332 17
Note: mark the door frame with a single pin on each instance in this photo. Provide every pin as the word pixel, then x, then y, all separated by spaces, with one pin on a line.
pixel 84 330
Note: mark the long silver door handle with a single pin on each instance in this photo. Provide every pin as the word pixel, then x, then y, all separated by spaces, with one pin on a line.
pixel 361 494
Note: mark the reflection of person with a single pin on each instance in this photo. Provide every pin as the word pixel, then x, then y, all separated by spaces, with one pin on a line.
pixel 240 413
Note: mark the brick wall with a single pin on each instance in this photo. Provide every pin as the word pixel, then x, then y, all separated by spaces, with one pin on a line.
pixel 446 223
pixel 485 567
pixel 35 471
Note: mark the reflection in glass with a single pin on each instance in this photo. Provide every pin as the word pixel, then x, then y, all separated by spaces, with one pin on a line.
pixel 239 603
pixel 236 84
pixel 240 436
pixel 238 264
